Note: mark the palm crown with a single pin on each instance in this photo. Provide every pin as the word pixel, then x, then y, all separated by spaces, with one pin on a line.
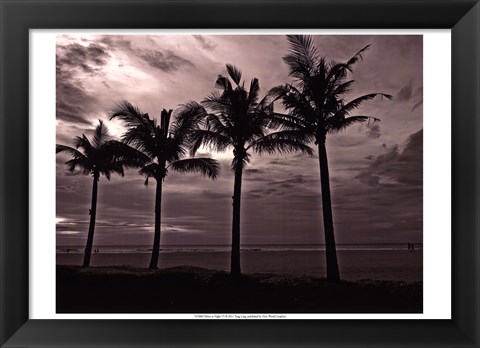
pixel 316 102
pixel 237 119
pixel 163 145
pixel 101 156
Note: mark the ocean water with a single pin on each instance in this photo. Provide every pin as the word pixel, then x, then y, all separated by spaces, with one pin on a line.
pixel 356 261
pixel 141 249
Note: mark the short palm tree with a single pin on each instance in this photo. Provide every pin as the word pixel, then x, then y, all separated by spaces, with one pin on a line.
pixel 101 156
pixel 164 146
pixel 235 118
pixel 316 107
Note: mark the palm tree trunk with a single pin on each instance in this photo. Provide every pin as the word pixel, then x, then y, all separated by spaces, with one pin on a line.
pixel 333 273
pixel 158 215
pixel 91 229
pixel 237 192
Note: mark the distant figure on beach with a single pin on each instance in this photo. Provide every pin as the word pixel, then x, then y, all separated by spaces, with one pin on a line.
pixel 411 247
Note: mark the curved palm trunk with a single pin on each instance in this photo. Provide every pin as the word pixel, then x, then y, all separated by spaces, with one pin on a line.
pixel 333 273
pixel 91 229
pixel 158 215
pixel 237 192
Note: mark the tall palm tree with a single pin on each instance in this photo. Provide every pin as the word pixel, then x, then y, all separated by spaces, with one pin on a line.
pixel 164 146
pixel 236 119
pixel 101 156
pixel 316 107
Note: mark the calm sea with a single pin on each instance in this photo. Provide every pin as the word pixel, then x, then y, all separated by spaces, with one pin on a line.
pixel 141 249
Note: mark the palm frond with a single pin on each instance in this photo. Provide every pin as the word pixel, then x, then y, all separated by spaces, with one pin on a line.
pixel 126 155
pixel 113 167
pixel 355 103
pixel 206 166
pixel 283 142
pixel 358 56
pixel 219 123
pixel 223 83
pixel 253 91
pixel 209 139
pixel 100 134
pixel 235 73
pixel 278 92
pixel 302 57
pixel 298 105
pixel 151 170
pixel 188 113
pixel 188 116
pixel 69 150
pixel 84 165
pixel 341 89
pixel 130 114
pixel 335 125
pixel 339 70
pixel 83 143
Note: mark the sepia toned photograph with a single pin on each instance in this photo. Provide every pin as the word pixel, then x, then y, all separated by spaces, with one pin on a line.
pixel 239 174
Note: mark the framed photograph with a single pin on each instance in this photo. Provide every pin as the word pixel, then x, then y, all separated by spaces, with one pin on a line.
pixel 239 173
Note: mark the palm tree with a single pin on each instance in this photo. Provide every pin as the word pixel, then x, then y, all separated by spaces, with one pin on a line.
pixel 101 156
pixel 236 119
pixel 164 146
pixel 316 107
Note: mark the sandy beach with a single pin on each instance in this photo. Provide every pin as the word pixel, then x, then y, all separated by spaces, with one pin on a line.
pixel 379 281
pixel 198 290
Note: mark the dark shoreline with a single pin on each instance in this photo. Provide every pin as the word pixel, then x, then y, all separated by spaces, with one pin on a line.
pixel 185 289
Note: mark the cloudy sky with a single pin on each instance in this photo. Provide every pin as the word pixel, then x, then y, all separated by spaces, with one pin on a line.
pixel 376 169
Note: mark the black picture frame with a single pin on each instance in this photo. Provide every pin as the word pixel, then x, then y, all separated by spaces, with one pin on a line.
pixel 18 16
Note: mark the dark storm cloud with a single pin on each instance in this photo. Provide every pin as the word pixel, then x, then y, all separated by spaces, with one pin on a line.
pixel 163 60
pixel 253 171
pixel 405 93
pixel 205 43
pixel 417 105
pixel 116 42
pixel 419 98
pixel 88 58
pixel 403 167
pixel 396 217
pixel 373 131
pixel 74 103
pixel 410 94
pixel 209 194
pixel 166 62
